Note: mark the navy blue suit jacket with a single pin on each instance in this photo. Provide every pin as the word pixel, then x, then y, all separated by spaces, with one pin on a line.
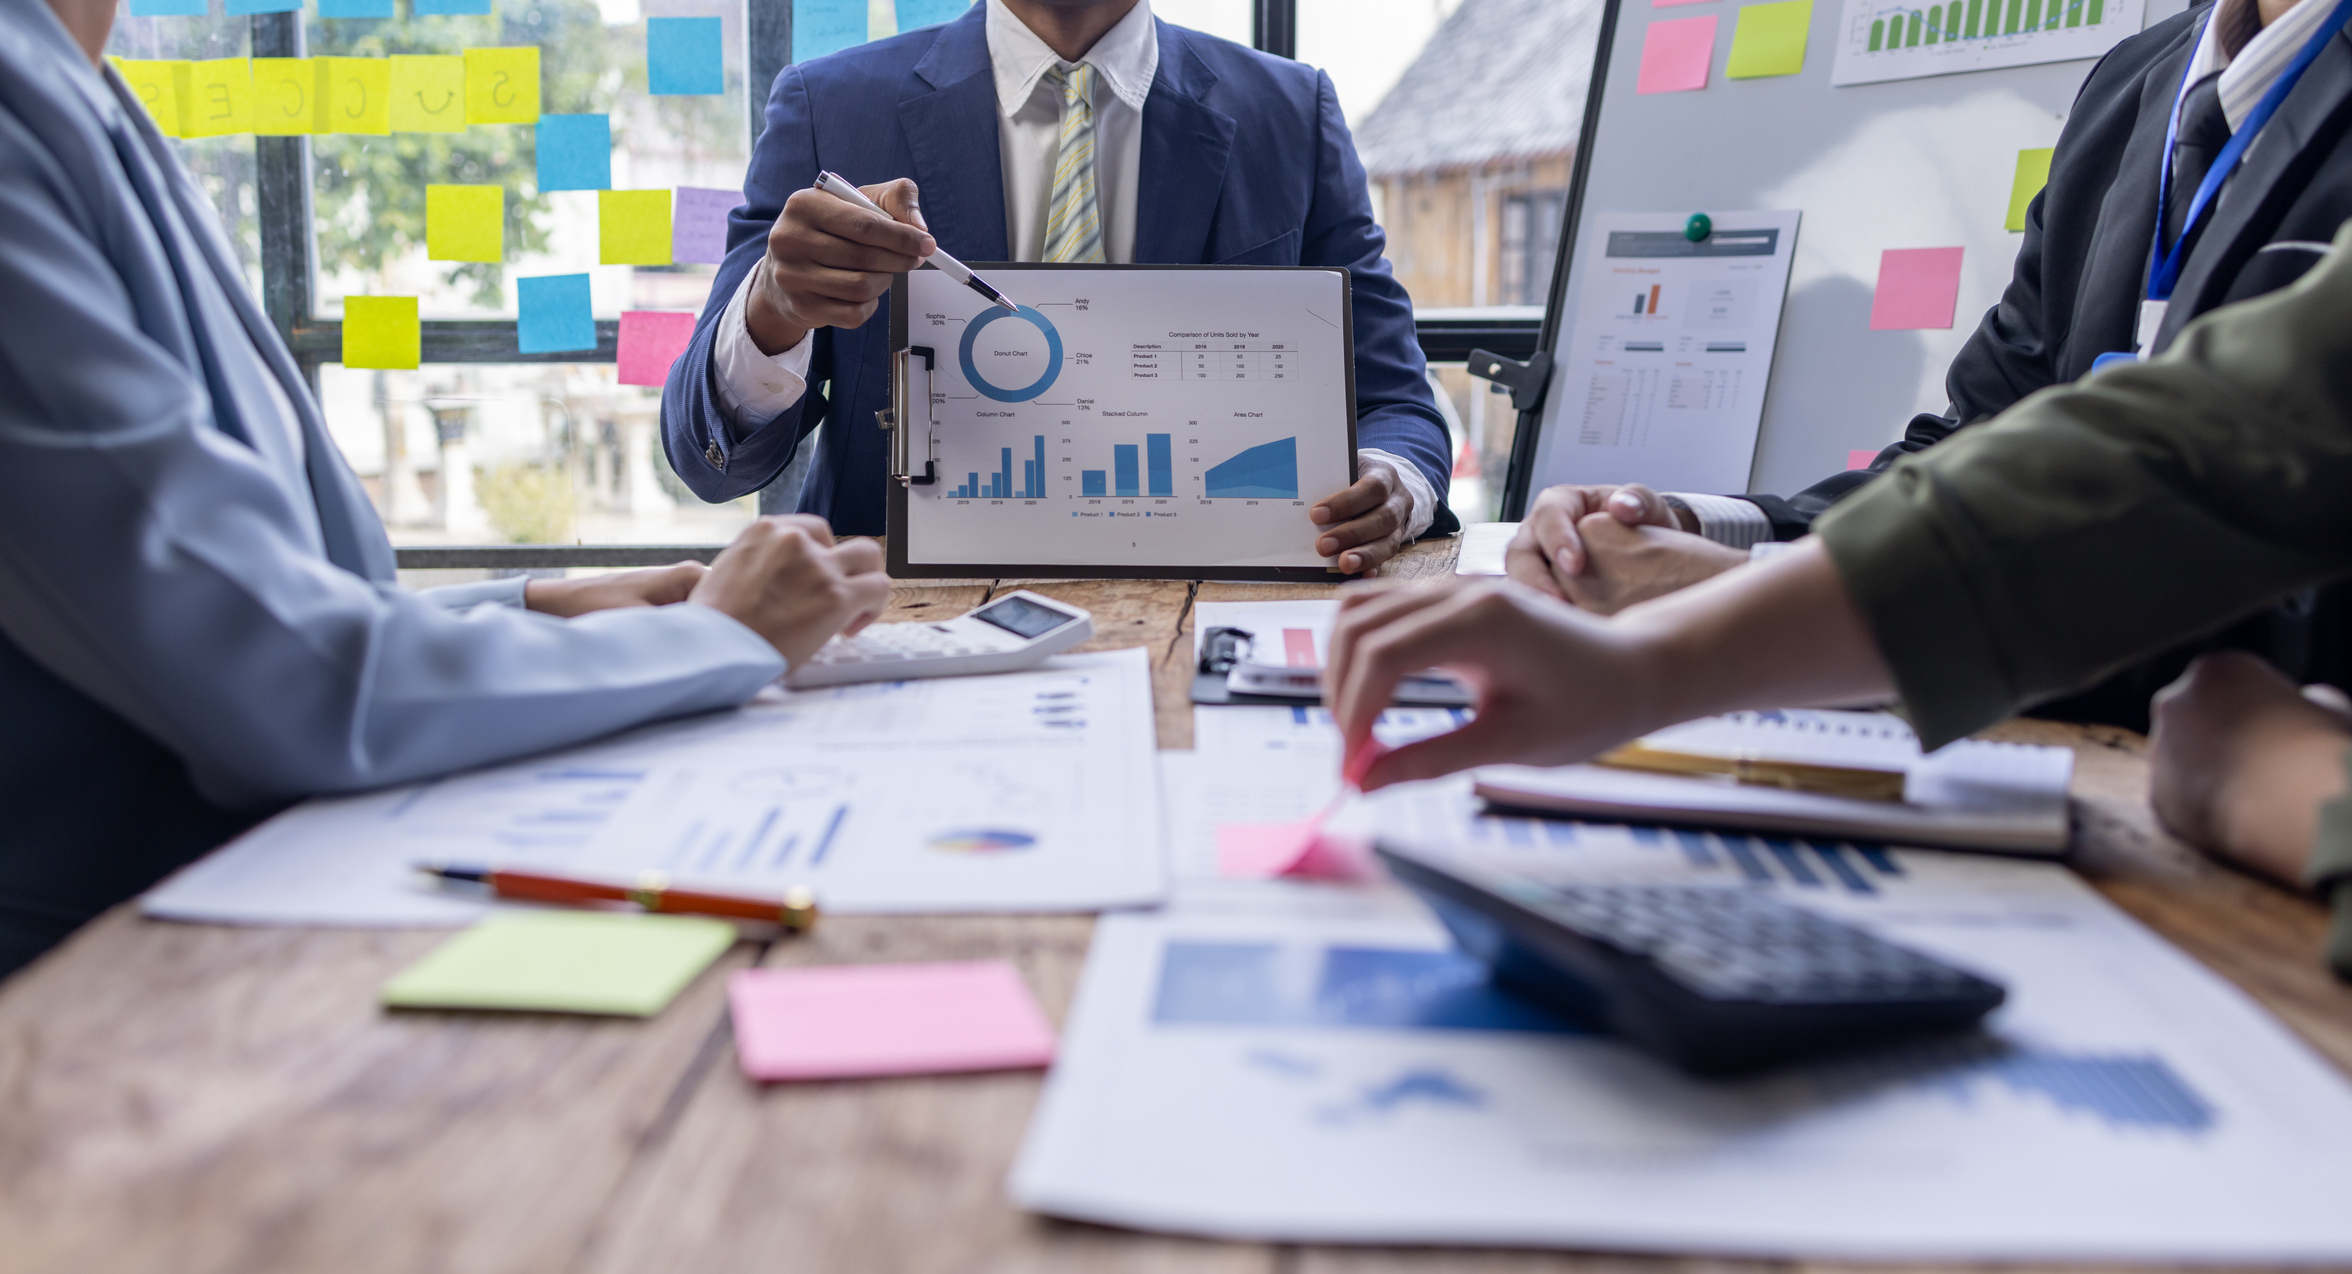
pixel 1246 161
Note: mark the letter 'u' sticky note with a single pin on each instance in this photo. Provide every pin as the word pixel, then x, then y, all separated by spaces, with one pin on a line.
pixel 846 1020
pixel 564 962
pixel 428 94
pixel 925 13
pixel 465 223
pixel 683 56
pixel 2033 173
pixel 152 84
pixel 1769 40
pixel 219 100
pixel 381 331
pixel 359 95
pixel 575 152
pixel 633 227
pixel 698 231
pixel 285 97
pixel 1675 55
pixel 651 340
pixel 555 314
pixel 1917 288
pixel 502 85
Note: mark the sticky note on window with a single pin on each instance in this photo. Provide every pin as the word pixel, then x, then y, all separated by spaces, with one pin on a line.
pixel 152 83
pixel 428 94
pixel 555 314
pixel 502 85
pixel 1769 40
pixel 564 962
pixel 285 97
pixel 245 8
pixel 422 8
pixel 1917 288
pixel 381 332
pixel 633 227
pixel 358 94
pixel 465 223
pixel 167 8
pixel 1675 55
pixel 2033 173
pixel 925 13
pixel 820 27
pixel 683 57
pixel 845 1020
pixel 1861 459
pixel 355 8
pixel 651 340
pixel 575 152
pixel 698 231
pixel 218 98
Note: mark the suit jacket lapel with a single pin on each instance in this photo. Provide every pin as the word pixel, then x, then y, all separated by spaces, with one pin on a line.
pixel 1186 145
pixel 951 136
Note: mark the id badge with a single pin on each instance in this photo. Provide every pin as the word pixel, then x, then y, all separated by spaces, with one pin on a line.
pixel 2151 319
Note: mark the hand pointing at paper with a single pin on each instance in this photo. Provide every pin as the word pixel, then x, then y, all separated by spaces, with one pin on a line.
pixel 829 262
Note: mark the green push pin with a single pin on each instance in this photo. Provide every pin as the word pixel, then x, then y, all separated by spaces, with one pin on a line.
pixel 1698 227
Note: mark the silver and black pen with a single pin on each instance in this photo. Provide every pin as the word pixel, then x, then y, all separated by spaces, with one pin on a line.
pixel 832 184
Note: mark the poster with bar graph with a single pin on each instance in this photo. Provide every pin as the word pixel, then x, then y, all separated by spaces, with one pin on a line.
pixel 1124 422
pixel 1880 40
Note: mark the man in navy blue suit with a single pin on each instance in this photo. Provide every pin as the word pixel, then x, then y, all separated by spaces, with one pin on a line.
pixel 1034 130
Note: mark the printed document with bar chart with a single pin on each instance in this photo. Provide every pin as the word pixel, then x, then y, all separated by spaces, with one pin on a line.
pixel 1881 40
pixel 1127 420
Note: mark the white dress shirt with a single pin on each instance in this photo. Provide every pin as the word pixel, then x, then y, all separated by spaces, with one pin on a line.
pixel 755 388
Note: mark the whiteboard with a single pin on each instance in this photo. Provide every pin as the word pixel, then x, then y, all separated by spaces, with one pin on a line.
pixel 1918 163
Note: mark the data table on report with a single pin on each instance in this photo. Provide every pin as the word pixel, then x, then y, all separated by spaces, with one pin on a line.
pixel 1131 416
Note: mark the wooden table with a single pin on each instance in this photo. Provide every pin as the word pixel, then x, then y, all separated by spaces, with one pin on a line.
pixel 190 1099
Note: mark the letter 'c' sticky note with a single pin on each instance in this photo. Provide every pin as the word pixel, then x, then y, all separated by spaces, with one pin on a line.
pixel 1769 40
pixel 502 85
pixel 428 94
pixel 285 97
pixel 651 340
pixel 2033 173
pixel 382 332
pixel 633 227
pixel 1675 54
pixel 358 94
pixel 1917 288
pixel 886 1019
pixel 564 962
pixel 465 223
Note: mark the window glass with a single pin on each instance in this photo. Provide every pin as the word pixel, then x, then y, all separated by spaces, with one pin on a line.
pixel 222 166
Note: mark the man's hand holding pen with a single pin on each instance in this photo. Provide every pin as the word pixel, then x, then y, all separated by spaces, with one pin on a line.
pixel 830 262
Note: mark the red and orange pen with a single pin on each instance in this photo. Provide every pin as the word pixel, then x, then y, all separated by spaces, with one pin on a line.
pixel 796 910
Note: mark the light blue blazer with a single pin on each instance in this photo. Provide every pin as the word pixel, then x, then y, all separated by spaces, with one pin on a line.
pixel 198 615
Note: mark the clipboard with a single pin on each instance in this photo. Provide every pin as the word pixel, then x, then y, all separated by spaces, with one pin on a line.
pixel 1129 422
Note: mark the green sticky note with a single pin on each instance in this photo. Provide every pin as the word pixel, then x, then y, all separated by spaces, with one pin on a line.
pixel 465 223
pixel 564 962
pixel 2033 173
pixel 1770 40
pixel 382 332
pixel 633 227
pixel 428 94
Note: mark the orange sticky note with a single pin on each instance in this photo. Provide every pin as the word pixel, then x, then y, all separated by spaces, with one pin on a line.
pixel 1917 288
pixel 1675 55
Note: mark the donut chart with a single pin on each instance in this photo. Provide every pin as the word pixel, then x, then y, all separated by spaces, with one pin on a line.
pixel 1012 393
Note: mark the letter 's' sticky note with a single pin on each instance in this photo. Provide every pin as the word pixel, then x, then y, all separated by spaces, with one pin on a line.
pixel 167 8
pixel 820 27
pixel 465 223
pixel 1769 40
pixel 845 1020
pixel 683 55
pixel 245 8
pixel 355 8
pixel 925 13
pixel 428 94
pixel 219 100
pixel 502 85
pixel 1917 288
pixel 358 95
pixel 2033 173
pixel 152 82
pixel 698 230
pixel 564 962
pixel 382 332
pixel 651 340
pixel 285 97
pixel 421 8
pixel 575 152
pixel 1675 55
pixel 555 314
pixel 633 227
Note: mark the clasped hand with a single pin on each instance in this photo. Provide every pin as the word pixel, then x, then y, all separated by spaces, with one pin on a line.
pixel 1605 548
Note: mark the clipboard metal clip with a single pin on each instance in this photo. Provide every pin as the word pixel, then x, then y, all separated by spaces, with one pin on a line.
pixel 902 420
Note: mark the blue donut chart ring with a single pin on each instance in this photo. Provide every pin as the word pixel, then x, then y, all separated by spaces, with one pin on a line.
pixel 1053 345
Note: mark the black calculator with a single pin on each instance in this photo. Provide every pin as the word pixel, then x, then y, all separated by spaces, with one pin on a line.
pixel 1720 980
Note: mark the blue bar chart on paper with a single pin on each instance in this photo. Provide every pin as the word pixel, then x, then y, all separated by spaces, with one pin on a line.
pixel 1000 483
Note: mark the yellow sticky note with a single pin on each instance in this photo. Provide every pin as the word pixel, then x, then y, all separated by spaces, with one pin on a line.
pixel 382 331
pixel 152 82
pixel 356 94
pixel 428 94
pixel 1770 40
pixel 285 97
pixel 2033 173
pixel 219 100
pixel 465 223
pixel 502 86
pixel 633 227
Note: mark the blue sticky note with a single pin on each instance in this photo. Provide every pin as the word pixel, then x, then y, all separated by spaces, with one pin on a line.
pixel 820 27
pixel 355 8
pixel 575 152
pixel 555 314
pixel 924 13
pixel 242 8
pixel 423 7
pixel 682 56
pixel 167 8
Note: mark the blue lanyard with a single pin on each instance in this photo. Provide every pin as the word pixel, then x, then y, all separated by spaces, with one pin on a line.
pixel 2164 266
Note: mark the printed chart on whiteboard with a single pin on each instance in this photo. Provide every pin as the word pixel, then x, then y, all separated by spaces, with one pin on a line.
pixel 1881 40
pixel 1132 417
pixel 1664 369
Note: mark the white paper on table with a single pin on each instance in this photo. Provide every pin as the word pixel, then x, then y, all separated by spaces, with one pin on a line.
pixel 1484 545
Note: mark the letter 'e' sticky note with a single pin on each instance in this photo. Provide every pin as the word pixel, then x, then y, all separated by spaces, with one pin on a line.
pixel 846 1020
pixel 428 94
pixel 152 83
pixel 633 227
pixel 555 314
pixel 682 56
pixel 465 223
pixel 502 85
pixel 1769 40
pixel 575 152
pixel 1675 55
pixel 1917 288
pixel 285 97
pixel 219 100
pixel 2033 173
pixel 651 340
pixel 698 232
pixel 564 962
pixel 381 332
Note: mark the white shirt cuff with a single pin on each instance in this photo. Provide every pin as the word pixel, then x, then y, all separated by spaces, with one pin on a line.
pixel 1762 549
pixel 1416 486
pixel 754 388
pixel 1727 520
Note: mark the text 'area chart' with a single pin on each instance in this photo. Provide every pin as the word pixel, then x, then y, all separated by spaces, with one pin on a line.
pixel 1149 417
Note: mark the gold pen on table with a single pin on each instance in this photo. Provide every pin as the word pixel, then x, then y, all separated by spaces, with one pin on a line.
pixel 1858 782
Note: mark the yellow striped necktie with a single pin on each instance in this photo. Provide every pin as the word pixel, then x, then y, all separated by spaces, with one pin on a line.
pixel 1073 222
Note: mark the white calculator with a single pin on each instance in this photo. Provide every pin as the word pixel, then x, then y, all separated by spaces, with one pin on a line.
pixel 1012 632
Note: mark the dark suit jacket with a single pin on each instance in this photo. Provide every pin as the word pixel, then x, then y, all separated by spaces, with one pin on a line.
pixel 1246 161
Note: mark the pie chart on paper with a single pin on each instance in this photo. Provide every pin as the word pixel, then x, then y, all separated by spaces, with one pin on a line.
pixel 1011 356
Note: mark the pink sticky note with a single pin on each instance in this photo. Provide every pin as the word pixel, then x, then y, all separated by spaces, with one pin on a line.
pixel 651 340
pixel 698 228
pixel 1303 850
pixel 1675 55
pixel 1859 459
pixel 1668 4
pixel 1917 287
pixel 886 1019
